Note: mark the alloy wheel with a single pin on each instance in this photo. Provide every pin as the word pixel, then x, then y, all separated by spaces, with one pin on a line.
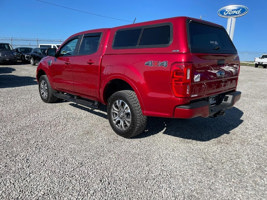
pixel 121 114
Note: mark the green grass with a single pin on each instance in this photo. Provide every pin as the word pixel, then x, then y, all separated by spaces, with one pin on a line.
pixel 250 64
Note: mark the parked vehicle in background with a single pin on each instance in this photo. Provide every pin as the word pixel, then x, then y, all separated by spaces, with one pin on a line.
pixel 36 55
pixel 177 68
pixel 261 61
pixel 49 46
pixel 6 54
pixel 21 53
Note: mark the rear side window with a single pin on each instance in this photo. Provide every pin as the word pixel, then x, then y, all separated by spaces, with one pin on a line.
pixel 204 38
pixel 141 37
pixel 155 36
pixel 89 44
pixel 127 38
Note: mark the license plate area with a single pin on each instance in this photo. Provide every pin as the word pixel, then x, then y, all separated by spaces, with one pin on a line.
pixel 213 100
pixel 216 100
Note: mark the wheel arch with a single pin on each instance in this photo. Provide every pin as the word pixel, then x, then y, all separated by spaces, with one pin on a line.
pixel 43 71
pixel 118 84
pixel 39 74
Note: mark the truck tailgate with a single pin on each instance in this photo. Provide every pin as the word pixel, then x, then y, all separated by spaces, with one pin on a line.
pixel 213 74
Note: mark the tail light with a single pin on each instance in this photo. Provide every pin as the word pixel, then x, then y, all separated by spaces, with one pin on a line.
pixel 181 79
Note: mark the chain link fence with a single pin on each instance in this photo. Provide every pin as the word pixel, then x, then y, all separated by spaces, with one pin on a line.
pixel 28 42
pixel 35 42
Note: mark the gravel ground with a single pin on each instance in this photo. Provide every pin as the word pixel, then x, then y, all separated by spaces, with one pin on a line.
pixel 64 151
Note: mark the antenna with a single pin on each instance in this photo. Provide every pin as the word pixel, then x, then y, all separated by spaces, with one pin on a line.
pixel 134 20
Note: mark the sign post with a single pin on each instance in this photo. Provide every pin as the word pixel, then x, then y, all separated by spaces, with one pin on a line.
pixel 232 12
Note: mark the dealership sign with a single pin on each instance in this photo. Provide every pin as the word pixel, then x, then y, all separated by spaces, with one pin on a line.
pixel 232 12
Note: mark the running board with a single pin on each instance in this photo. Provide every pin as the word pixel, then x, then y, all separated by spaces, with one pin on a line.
pixel 77 100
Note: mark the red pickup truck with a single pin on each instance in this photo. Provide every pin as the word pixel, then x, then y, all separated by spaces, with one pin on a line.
pixel 176 68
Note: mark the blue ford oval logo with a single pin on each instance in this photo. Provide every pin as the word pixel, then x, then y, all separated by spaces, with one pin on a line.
pixel 220 73
pixel 233 11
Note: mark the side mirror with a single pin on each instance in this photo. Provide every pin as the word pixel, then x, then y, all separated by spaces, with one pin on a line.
pixel 51 52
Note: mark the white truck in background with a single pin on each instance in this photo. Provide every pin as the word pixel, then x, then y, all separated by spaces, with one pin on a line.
pixel 56 46
pixel 261 61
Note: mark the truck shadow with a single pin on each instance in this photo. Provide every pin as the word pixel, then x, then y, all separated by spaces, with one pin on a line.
pixel 199 129
pixel 101 111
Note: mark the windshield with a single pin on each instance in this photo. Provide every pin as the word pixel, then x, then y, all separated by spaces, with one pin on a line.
pixel 209 39
pixel 43 51
pixel 5 47
pixel 25 50
pixel 39 51
pixel 45 46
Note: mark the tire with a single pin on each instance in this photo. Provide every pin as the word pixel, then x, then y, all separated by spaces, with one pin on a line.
pixel 32 61
pixel 256 65
pixel 264 66
pixel 125 114
pixel 23 59
pixel 45 90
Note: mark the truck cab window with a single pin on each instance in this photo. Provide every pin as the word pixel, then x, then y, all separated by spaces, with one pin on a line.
pixel 69 48
pixel 89 44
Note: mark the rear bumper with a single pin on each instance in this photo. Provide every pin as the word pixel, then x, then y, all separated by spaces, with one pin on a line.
pixel 261 63
pixel 204 109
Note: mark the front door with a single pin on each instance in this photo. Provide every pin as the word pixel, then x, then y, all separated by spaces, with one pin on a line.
pixel 62 68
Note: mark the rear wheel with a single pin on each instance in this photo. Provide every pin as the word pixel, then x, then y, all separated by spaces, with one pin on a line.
pixel 256 65
pixel 45 90
pixel 23 59
pixel 264 66
pixel 125 114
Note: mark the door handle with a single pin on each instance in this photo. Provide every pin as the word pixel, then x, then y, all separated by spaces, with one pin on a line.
pixel 67 63
pixel 90 62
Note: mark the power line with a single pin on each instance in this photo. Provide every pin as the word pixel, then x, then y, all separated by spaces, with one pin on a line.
pixel 83 11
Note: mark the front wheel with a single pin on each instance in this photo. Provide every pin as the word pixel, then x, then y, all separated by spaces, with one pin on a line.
pixel 125 114
pixel 256 65
pixel 45 90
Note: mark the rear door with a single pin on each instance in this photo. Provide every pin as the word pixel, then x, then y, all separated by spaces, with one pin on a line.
pixel 86 66
pixel 215 60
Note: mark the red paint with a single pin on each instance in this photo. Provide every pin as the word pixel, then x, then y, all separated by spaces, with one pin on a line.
pixel 191 113
pixel 159 89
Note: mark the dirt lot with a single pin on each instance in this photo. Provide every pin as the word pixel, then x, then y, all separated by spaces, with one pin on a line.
pixel 65 151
